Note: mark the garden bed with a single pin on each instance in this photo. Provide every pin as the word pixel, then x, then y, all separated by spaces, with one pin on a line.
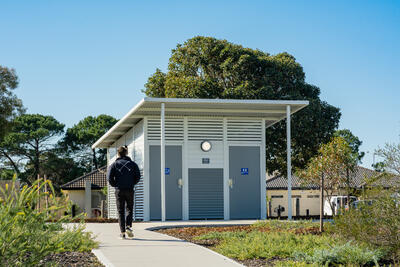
pixel 276 243
pixel 72 259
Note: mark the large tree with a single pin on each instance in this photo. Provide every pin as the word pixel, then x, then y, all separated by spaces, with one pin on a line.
pixel 328 169
pixel 31 137
pixel 353 141
pixel 10 105
pixel 79 139
pixel 205 67
pixel 390 154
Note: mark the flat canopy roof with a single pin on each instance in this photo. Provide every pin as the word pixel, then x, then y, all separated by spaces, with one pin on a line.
pixel 272 111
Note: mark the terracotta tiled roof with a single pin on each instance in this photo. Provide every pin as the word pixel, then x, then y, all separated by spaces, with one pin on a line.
pixel 97 178
pixel 361 177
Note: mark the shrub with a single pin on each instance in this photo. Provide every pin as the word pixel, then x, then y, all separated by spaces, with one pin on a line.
pixel 269 245
pixel 376 224
pixel 348 254
pixel 25 237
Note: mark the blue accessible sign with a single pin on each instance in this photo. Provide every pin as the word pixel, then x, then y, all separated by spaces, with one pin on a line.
pixel 167 171
pixel 244 171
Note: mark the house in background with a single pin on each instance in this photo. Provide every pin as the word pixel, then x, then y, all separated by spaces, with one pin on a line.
pixel 86 191
pixel 305 197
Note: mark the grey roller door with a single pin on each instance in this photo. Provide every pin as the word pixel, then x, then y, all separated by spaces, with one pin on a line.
pixel 206 194
pixel 173 193
pixel 244 170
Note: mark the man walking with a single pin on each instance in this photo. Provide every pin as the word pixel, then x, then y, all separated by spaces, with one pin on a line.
pixel 124 174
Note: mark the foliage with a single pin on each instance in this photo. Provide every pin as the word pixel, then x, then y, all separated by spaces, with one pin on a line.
pixel 205 67
pixel 375 221
pixel 79 139
pixel 391 157
pixel 288 241
pixel 332 162
pixel 26 237
pixel 353 141
pixel 347 254
pixel 32 135
pixel 10 105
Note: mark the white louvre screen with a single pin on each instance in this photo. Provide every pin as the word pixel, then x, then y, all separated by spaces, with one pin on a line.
pixel 245 130
pixel 173 129
pixel 205 129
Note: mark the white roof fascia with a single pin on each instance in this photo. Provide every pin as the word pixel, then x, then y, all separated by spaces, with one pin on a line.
pixel 121 121
pixel 225 101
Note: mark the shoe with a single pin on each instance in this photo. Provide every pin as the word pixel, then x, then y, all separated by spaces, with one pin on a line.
pixel 122 236
pixel 129 232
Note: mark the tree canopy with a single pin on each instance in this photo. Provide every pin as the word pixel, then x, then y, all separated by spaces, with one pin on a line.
pixel 205 67
pixel 332 162
pixel 31 137
pixel 390 154
pixel 10 105
pixel 79 138
pixel 353 141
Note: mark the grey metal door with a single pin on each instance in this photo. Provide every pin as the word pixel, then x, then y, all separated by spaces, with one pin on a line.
pixel 173 192
pixel 206 193
pixel 244 170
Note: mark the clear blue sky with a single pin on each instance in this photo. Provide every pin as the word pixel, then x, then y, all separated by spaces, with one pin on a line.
pixel 76 59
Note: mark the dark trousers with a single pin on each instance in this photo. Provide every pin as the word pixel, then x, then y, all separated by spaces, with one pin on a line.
pixel 124 200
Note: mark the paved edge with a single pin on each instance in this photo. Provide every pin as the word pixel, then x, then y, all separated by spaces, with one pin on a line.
pixel 155 228
pixel 103 259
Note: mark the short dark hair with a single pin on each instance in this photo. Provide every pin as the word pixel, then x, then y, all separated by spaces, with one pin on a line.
pixel 122 151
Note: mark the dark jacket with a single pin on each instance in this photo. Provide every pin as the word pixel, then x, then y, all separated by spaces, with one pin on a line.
pixel 123 173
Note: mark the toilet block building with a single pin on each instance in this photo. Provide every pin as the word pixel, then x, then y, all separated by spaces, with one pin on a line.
pixel 199 158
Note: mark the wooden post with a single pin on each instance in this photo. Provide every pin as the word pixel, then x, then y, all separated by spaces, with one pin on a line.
pixel 45 191
pixel 38 193
pixel 102 208
pixel 321 208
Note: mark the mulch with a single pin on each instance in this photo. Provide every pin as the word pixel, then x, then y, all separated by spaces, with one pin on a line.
pixel 72 259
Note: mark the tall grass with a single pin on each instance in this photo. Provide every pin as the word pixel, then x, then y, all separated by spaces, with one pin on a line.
pixel 25 236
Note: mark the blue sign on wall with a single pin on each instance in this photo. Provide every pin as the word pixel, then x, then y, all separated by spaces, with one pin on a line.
pixel 244 171
pixel 167 171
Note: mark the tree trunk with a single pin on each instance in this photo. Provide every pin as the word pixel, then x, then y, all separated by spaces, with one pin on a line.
pixel 348 187
pixel 37 159
pixel 94 159
pixel 321 208
pixel 12 162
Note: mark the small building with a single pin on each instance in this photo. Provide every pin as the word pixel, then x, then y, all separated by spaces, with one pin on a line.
pixel 199 158
pixel 86 191
pixel 305 196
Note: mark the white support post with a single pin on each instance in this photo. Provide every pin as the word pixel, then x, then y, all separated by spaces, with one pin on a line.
pixel 226 171
pixel 185 188
pixel 263 180
pixel 289 162
pixel 162 161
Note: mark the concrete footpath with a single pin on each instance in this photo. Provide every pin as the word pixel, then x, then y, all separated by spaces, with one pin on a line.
pixel 149 248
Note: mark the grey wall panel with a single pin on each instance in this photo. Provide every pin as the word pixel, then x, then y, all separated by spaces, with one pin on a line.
pixel 206 194
pixel 173 194
pixel 245 195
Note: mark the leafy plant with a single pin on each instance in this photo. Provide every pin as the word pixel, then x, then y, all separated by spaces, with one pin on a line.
pixel 376 222
pixel 26 236
pixel 348 253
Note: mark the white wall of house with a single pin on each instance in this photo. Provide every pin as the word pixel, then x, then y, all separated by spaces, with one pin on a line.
pixel 78 198
pixel 309 199
pixel 187 131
